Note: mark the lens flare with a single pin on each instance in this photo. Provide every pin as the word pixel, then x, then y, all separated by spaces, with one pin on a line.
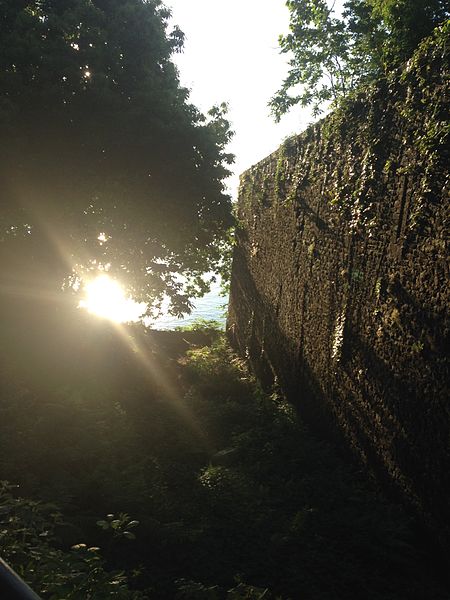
pixel 106 298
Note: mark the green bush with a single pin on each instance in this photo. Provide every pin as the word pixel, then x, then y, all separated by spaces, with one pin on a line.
pixel 28 541
pixel 224 480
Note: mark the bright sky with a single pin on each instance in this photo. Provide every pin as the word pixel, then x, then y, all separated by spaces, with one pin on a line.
pixel 231 55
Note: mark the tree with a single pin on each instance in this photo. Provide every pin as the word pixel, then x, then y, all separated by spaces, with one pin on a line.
pixel 331 55
pixel 104 163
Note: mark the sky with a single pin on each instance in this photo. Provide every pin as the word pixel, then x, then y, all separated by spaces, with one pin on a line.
pixel 232 55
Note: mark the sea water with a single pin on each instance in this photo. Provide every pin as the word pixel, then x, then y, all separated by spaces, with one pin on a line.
pixel 212 306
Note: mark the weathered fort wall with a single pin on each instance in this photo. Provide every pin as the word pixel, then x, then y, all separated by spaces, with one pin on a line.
pixel 339 283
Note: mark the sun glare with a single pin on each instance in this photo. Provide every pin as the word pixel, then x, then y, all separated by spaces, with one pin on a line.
pixel 105 298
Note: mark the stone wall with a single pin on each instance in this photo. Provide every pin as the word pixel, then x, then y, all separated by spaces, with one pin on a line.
pixel 338 289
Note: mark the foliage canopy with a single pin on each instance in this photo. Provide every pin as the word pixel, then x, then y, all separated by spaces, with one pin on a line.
pixel 99 139
pixel 332 55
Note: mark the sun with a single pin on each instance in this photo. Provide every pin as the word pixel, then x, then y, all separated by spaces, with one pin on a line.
pixel 106 298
